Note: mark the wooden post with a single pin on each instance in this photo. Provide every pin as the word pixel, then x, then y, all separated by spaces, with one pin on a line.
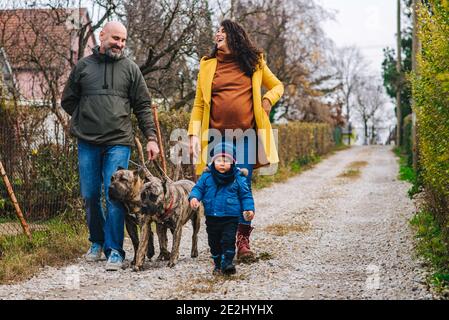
pixel 399 80
pixel 159 137
pixel 19 214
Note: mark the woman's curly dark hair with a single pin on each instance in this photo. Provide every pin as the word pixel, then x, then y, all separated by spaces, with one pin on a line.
pixel 242 48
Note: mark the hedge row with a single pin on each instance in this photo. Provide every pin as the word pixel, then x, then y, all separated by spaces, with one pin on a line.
pixel 431 95
pixel 296 140
pixel 55 184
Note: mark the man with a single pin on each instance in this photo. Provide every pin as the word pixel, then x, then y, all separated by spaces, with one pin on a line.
pixel 100 93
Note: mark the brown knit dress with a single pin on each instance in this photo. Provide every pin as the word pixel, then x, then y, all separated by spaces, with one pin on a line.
pixel 232 96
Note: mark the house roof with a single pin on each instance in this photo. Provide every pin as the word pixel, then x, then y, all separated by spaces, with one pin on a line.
pixel 46 36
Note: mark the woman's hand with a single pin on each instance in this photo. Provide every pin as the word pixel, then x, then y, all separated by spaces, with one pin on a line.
pixel 266 105
pixel 194 146
pixel 194 203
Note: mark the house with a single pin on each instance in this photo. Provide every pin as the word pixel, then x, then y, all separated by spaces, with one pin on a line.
pixel 41 46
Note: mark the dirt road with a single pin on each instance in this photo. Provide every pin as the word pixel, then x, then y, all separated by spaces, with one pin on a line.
pixel 337 231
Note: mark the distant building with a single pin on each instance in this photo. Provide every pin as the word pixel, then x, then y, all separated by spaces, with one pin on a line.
pixel 37 46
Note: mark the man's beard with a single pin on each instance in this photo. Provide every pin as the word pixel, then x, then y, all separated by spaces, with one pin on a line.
pixel 114 55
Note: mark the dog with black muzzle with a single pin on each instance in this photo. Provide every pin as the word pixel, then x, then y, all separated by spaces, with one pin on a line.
pixel 167 203
pixel 126 187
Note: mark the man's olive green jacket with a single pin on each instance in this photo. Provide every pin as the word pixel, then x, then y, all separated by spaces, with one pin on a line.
pixel 100 94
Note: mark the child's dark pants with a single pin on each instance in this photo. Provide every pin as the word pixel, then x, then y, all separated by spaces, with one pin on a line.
pixel 221 233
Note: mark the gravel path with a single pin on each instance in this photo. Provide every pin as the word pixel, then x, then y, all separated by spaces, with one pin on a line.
pixel 318 236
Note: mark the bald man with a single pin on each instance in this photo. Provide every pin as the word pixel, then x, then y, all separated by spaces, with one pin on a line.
pixel 100 94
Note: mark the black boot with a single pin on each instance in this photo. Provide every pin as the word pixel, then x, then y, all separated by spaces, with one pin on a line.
pixel 217 265
pixel 227 267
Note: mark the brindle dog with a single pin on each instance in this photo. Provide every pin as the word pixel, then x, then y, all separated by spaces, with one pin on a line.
pixel 167 203
pixel 126 187
pixel 160 200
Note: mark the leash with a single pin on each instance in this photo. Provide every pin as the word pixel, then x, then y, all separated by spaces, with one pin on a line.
pixel 167 210
pixel 136 164
pixel 159 136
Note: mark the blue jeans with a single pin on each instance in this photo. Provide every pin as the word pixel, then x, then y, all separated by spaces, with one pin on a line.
pixel 97 163
pixel 246 149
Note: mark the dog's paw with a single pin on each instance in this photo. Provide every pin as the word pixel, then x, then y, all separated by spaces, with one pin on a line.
pixel 171 264
pixel 150 253
pixel 164 256
pixel 137 268
pixel 194 254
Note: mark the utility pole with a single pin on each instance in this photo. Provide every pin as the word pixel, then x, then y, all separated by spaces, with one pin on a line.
pixel 415 50
pixel 399 80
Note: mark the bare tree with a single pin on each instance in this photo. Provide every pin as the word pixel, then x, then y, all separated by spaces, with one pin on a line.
pixel 166 39
pixel 290 34
pixel 350 68
pixel 369 107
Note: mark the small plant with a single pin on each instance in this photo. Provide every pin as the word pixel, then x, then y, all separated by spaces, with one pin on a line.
pixel 353 170
pixel 264 256
pixel 358 164
pixel 284 229
pixel 351 173
pixel 432 247
pixel 406 173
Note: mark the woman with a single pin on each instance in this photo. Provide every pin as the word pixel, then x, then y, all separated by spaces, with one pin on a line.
pixel 228 96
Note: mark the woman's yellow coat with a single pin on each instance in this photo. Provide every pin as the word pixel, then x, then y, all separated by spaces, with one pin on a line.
pixel 199 120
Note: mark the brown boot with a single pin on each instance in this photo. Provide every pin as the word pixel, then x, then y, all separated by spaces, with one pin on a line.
pixel 244 252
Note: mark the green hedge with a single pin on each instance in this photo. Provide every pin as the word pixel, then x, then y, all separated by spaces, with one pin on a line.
pixel 302 141
pixel 296 140
pixel 431 95
pixel 53 184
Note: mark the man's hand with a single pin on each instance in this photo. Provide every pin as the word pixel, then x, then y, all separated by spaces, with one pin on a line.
pixel 266 105
pixel 152 150
pixel 194 146
pixel 194 203
pixel 248 215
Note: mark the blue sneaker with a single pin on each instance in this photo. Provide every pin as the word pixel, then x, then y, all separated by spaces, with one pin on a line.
pixel 115 261
pixel 94 253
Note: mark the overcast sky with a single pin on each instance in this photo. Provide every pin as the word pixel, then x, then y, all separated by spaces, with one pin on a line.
pixel 367 24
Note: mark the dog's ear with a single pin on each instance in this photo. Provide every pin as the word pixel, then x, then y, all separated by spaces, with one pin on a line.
pixel 139 172
pixel 136 174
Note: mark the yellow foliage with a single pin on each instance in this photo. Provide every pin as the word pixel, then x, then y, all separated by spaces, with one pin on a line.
pixel 431 95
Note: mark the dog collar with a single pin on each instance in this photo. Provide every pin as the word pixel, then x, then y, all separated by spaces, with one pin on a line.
pixel 168 210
